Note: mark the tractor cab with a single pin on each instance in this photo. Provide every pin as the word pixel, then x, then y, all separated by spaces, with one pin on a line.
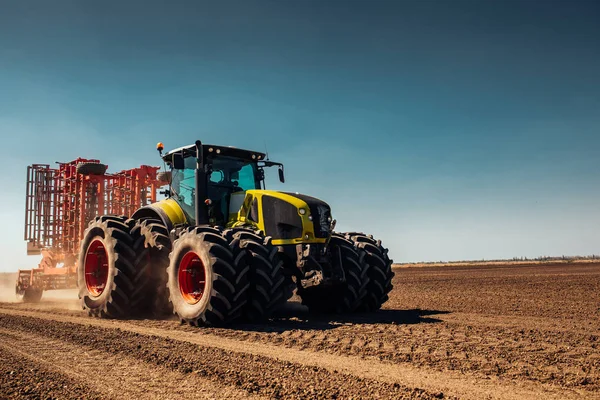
pixel 226 174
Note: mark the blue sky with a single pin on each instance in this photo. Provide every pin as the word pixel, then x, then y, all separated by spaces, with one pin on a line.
pixel 450 130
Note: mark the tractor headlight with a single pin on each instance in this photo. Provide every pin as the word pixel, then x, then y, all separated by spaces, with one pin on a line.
pixel 302 211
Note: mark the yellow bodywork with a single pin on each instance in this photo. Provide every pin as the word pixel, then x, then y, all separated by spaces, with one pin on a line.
pixel 176 216
pixel 241 217
pixel 173 211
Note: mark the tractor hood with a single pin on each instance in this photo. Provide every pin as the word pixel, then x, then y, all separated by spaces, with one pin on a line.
pixel 320 212
pixel 289 218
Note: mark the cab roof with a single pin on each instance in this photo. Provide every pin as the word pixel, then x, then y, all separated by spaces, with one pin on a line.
pixel 210 150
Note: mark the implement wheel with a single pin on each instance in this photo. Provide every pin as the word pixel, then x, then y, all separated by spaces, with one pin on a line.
pixel 105 267
pixel 164 177
pixel 87 168
pixel 202 277
pixel 29 295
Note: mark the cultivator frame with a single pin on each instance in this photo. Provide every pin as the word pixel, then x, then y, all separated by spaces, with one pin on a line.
pixel 59 204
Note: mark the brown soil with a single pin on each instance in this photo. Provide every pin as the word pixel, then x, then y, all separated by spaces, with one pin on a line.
pixel 466 332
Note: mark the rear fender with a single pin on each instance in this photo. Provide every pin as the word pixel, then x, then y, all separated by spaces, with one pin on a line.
pixel 168 211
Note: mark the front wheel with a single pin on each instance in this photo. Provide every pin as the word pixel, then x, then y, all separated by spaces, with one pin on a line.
pixel 262 273
pixel 344 297
pixel 374 257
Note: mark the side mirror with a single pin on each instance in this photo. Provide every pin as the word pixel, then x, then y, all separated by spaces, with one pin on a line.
pixel 178 162
pixel 281 176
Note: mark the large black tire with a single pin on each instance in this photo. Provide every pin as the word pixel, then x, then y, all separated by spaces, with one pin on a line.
pixel 87 168
pixel 258 262
pixel 346 297
pixel 105 268
pixel 202 278
pixel 152 246
pixel 379 270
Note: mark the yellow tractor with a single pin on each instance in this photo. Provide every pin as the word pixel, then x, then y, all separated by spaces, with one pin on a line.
pixel 221 247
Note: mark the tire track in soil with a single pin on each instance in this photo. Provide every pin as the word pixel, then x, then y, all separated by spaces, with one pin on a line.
pixel 264 376
pixel 501 348
pixel 529 349
pixel 105 375
pixel 449 383
pixel 23 377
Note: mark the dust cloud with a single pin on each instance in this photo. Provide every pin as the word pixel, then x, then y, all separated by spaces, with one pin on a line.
pixel 7 287
pixel 65 299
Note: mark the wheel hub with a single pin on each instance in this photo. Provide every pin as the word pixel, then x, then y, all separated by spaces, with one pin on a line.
pixel 96 268
pixel 192 278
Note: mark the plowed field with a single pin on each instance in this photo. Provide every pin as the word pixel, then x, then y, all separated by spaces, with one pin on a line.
pixel 447 332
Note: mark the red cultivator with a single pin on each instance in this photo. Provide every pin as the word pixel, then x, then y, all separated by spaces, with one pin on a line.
pixel 59 204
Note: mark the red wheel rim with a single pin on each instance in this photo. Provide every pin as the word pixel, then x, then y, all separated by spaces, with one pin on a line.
pixel 192 278
pixel 96 268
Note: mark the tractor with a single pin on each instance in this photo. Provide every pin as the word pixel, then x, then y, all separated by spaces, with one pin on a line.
pixel 220 247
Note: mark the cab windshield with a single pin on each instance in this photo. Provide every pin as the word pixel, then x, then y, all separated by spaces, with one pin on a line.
pixel 233 173
pixel 228 175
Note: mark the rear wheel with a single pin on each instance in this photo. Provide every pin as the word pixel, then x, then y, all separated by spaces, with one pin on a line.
pixel 202 277
pixel 347 296
pixel 105 267
pixel 152 246
pixel 379 270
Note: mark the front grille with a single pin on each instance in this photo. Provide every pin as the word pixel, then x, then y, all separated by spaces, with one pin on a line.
pixel 320 212
pixel 281 219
